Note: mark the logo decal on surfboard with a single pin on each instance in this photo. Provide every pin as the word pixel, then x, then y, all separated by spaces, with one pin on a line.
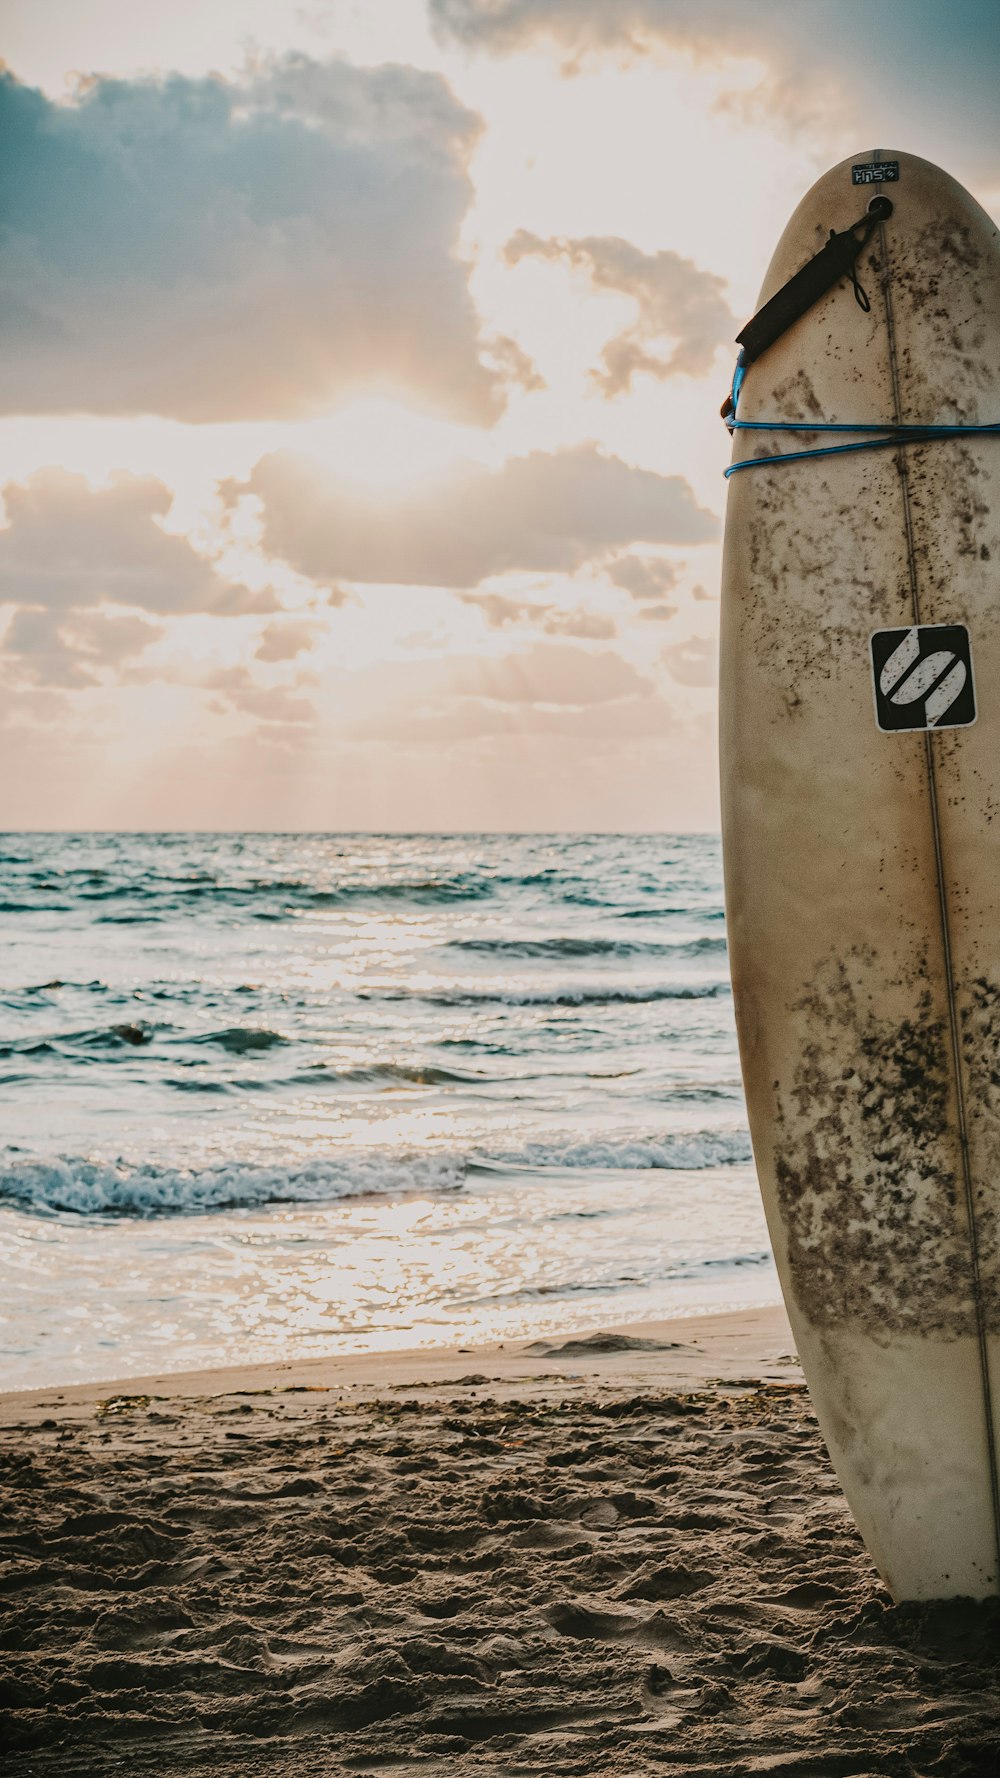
pixel 922 677
pixel 874 172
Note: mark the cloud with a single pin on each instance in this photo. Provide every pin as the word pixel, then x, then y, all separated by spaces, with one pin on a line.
pixel 676 302
pixel 645 577
pixel 929 79
pixel 648 578
pixel 281 705
pixel 692 662
pixel 514 363
pixel 711 28
pixel 68 545
pixel 501 611
pixel 68 650
pixel 287 638
pixel 215 250
pixel 549 688
pixel 547 511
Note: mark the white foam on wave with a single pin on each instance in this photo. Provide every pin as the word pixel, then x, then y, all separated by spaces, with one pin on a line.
pixel 682 1150
pixel 117 1188
pixel 103 1188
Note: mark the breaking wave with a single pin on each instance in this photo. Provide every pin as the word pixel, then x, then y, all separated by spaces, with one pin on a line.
pixel 81 1187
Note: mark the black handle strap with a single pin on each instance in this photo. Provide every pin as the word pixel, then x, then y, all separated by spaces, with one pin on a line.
pixel 816 277
pixel 833 262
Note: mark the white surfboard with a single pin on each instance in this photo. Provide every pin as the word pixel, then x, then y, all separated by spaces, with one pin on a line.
pixel 860 746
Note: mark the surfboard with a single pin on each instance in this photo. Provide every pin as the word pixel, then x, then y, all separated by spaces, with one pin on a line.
pixel 860 763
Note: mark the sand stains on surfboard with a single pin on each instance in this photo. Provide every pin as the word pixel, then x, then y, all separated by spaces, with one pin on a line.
pixel 865 1166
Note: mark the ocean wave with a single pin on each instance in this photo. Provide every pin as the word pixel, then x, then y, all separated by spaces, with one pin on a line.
pixel 681 1150
pixel 698 1092
pixel 82 1187
pixel 561 948
pixel 388 1074
pixel 148 919
pixel 117 1189
pixel 30 991
pixel 240 1040
pixel 667 910
pixel 668 913
pixel 161 896
pixel 463 887
pixel 591 996
pixel 325 1074
pixel 129 1034
pixel 124 897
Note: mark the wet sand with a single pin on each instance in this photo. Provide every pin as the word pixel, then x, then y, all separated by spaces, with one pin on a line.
pixel 619 1554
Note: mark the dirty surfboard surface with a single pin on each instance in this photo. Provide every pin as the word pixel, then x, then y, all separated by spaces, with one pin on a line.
pixel 863 861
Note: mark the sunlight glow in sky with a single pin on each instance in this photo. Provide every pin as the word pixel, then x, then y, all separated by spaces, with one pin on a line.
pixel 359 428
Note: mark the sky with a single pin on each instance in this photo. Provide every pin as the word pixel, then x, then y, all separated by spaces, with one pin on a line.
pixel 360 371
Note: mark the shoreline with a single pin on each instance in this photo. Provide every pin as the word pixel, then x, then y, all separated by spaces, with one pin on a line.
pixel 681 1352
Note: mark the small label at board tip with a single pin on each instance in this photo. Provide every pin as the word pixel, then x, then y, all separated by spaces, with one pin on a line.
pixel 922 677
pixel 874 172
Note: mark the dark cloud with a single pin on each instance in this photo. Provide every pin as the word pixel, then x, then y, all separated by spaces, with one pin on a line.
pixel 923 76
pixel 68 545
pixel 648 579
pixel 214 250
pixel 69 650
pixel 280 705
pixel 501 611
pixel 548 511
pixel 681 316
pixel 645 577
pixel 588 626
pixel 287 638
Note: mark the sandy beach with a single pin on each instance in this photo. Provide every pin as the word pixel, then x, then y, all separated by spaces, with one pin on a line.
pixel 605 1553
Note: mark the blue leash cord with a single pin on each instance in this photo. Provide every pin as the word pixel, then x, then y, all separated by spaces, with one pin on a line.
pixel 882 437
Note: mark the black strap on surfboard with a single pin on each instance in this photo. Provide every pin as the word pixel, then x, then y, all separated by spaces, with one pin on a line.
pixel 838 259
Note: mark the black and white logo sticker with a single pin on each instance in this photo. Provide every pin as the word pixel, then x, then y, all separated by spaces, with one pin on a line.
pixel 923 677
pixel 874 172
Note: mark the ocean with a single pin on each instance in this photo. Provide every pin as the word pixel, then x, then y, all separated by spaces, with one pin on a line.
pixel 266 1096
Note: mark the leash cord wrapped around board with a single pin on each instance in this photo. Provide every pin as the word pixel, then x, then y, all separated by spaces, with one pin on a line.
pixel 883 436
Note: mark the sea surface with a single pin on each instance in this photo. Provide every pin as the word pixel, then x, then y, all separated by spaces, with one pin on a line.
pixel 267 1096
